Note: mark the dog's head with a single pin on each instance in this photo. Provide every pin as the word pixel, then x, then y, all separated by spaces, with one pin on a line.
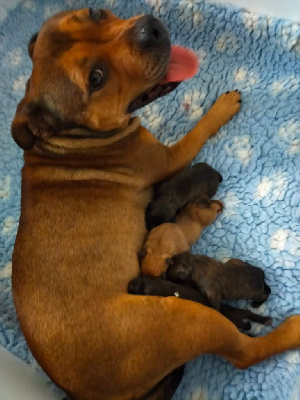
pixel 91 69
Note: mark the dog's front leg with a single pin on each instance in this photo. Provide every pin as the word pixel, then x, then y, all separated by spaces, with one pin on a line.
pixel 183 152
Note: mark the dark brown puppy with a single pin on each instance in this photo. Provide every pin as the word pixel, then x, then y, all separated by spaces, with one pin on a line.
pixel 232 280
pixel 155 286
pixel 87 179
pixel 171 196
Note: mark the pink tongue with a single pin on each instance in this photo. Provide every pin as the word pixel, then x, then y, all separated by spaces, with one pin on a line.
pixel 183 65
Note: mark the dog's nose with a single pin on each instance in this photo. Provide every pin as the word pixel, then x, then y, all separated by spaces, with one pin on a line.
pixel 151 32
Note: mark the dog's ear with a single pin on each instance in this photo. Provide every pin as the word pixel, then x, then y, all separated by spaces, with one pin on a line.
pixel 30 122
pixel 31 44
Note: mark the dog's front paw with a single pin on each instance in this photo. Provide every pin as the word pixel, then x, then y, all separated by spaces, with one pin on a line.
pixel 227 105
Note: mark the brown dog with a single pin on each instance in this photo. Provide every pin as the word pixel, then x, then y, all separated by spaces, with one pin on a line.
pixel 233 280
pixel 88 173
pixel 169 239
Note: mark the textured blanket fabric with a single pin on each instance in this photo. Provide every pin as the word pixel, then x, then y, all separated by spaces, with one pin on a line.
pixel 257 154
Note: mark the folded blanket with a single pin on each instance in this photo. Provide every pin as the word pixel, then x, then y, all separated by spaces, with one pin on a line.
pixel 257 153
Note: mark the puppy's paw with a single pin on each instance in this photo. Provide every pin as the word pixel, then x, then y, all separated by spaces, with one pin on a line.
pixel 268 321
pixel 246 326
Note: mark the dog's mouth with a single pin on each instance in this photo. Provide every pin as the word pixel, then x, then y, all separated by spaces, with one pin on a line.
pixel 183 64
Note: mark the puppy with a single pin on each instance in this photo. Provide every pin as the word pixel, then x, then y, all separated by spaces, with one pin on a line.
pixel 169 239
pixel 171 196
pixel 155 286
pixel 232 280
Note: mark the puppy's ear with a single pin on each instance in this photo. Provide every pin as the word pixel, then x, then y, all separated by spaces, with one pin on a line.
pixel 169 261
pixel 30 122
pixel 142 253
pixel 202 201
pixel 31 44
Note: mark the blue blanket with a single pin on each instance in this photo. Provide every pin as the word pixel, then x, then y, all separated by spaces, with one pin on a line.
pixel 257 153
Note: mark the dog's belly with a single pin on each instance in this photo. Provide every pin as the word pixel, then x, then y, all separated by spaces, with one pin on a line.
pixel 76 250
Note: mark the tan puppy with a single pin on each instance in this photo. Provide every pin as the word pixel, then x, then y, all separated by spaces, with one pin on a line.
pixel 87 178
pixel 169 239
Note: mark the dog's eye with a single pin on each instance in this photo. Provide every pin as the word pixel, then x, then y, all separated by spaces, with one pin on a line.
pixel 95 14
pixel 96 79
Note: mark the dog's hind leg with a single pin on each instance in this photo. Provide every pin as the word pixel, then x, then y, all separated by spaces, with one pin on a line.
pixel 152 336
pixel 175 331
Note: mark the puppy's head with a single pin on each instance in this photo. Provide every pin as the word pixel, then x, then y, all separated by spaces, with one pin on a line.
pixel 91 69
pixel 203 210
pixel 179 271
pixel 154 264
pixel 159 212
pixel 209 177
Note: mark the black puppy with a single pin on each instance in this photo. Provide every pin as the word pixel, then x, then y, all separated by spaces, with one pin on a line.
pixel 155 286
pixel 172 195
pixel 232 280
